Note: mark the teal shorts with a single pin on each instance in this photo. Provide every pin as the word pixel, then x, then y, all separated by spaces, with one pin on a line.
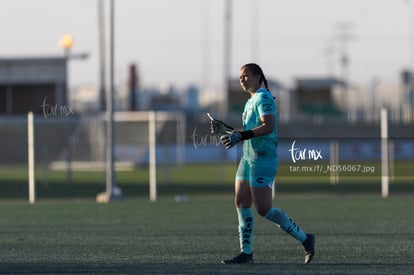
pixel 259 172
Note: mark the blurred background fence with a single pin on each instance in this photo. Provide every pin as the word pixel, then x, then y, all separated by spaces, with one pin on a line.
pixel 70 155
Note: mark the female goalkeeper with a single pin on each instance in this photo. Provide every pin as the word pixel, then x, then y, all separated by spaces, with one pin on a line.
pixel 258 165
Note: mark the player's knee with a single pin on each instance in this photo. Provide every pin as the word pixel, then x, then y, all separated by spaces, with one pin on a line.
pixel 243 203
pixel 262 211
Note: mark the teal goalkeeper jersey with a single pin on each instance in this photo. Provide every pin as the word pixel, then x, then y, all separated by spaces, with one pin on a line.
pixel 260 104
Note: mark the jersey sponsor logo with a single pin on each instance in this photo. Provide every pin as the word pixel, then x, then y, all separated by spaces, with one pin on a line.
pixel 267 107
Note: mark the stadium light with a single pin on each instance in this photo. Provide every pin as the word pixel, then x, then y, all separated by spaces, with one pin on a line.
pixel 66 43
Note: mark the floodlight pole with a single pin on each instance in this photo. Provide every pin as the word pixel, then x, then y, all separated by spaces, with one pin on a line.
pixel 110 173
pixel 112 192
pixel 102 59
pixel 227 56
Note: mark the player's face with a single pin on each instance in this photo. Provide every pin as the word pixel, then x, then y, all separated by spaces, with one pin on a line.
pixel 249 82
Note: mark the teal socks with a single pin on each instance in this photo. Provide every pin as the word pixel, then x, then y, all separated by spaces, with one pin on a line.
pixel 286 223
pixel 280 218
pixel 246 226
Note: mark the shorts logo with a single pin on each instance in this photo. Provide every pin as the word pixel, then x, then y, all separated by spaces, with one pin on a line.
pixel 259 180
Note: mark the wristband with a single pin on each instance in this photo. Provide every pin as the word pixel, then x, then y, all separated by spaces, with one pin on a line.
pixel 247 134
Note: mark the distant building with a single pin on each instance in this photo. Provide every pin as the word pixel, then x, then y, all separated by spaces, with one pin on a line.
pixel 315 96
pixel 166 99
pixel 191 101
pixel 34 84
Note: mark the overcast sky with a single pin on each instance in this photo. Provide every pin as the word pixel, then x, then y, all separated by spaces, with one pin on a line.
pixel 181 41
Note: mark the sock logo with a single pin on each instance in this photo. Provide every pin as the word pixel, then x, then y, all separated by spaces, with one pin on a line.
pixel 247 230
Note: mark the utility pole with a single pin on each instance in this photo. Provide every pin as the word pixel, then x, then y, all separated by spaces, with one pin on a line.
pixel 102 59
pixel 408 78
pixel 205 36
pixel 227 56
pixel 112 192
pixel 344 36
pixel 255 31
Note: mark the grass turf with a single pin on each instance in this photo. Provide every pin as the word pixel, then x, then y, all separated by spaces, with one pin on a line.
pixel 202 179
pixel 364 235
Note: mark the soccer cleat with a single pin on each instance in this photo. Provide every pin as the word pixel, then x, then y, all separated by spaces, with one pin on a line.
pixel 242 258
pixel 309 247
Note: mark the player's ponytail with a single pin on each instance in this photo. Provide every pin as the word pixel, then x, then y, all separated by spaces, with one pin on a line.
pixel 265 82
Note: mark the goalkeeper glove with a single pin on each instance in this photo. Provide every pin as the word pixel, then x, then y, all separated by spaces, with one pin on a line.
pixel 232 139
pixel 219 127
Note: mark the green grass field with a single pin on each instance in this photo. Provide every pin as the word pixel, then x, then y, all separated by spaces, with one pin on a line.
pixel 363 235
pixel 196 179
pixel 66 232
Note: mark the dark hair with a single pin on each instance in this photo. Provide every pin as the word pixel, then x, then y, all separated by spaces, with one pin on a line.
pixel 256 70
